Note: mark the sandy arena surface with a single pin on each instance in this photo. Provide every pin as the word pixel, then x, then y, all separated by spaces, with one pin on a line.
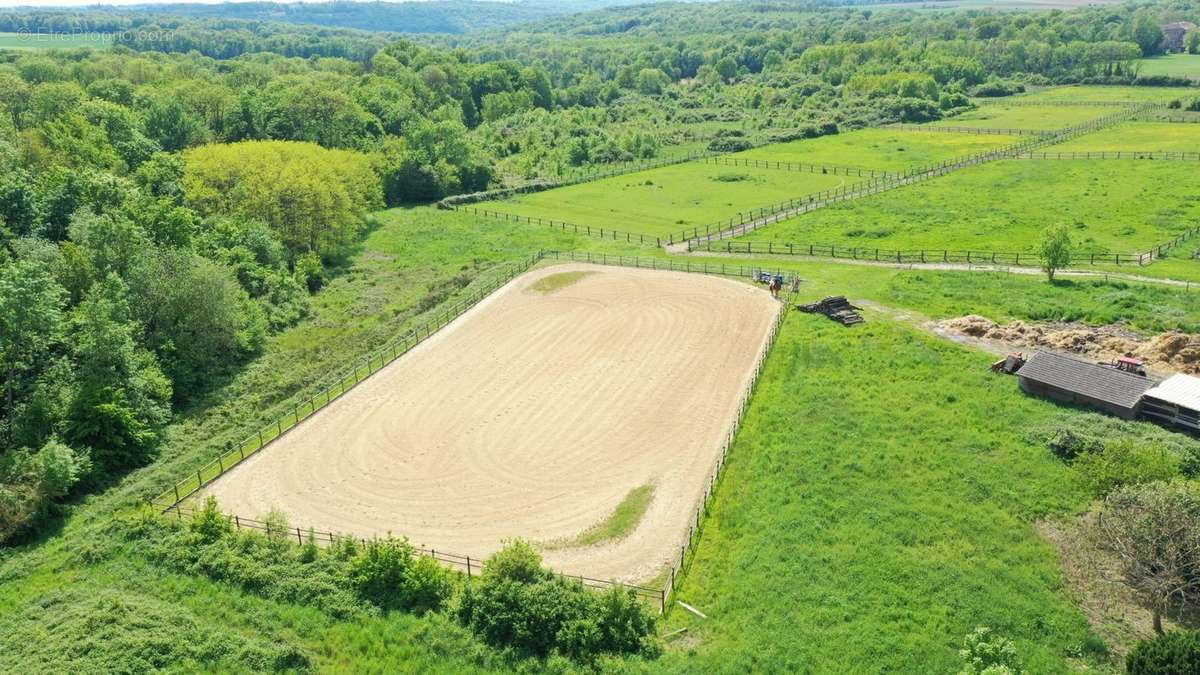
pixel 532 415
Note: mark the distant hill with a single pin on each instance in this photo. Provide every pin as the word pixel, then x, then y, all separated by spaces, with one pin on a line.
pixel 433 16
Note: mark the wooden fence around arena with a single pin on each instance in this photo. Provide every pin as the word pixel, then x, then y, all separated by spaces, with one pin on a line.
pixel 174 500
pixel 470 565
pixel 235 454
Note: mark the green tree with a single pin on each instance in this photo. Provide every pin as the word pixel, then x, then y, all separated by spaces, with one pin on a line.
pixel 1168 654
pixel 123 396
pixel 1147 35
pixel 31 322
pixel 1054 249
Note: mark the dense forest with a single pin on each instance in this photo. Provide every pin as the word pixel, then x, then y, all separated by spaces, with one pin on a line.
pixel 169 203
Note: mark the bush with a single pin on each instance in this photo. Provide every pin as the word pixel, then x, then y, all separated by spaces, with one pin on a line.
pixel 1167 654
pixel 518 604
pixel 209 523
pixel 1122 463
pixel 729 144
pixel 388 574
pixel 1067 445
pixel 997 88
pixel 988 654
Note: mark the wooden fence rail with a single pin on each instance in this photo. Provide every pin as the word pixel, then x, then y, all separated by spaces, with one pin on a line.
pixel 175 498
pixel 980 131
pixel 235 454
pixel 470 565
pixel 1116 154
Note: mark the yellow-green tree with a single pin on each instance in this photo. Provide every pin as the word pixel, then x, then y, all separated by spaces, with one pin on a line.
pixel 314 198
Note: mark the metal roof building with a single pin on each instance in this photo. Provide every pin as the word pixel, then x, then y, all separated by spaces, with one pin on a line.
pixel 1175 401
pixel 1081 382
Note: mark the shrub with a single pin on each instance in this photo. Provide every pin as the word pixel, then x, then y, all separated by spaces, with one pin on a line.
pixel 988 653
pixel 1122 463
pixel 388 574
pixel 1169 653
pixel 729 144
pixel 518 604
pixel 1067 445
pixel 209 523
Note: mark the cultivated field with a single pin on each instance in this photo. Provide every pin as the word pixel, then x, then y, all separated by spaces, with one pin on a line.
pixel 1141 136
pixel 669 199
pixel 536 414
pixel 1121 206
pixel 880 148
pixel 1033 118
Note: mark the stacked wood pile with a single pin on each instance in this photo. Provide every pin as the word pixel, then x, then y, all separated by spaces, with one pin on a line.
pixel 836 307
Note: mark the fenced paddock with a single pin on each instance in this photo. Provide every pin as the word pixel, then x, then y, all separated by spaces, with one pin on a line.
pixel 533 414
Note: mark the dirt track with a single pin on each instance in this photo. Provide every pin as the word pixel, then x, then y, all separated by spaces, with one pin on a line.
pixel 532 415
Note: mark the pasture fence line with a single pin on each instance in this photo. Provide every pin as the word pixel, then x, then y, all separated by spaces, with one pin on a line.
pixel 696 528
pixel 934 256
pixel 237 453
pixel 1172 119
pixel 979 131
pixel 1000 100
pixel 564 226
pixel 913 256
pixel 800 167
pixel 669 265
pixel 472 566
pixel 768 215
pixel 1116 154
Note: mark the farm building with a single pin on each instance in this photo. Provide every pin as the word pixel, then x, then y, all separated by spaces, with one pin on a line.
pixel 1082 382
pixel 1174 35
pixel 1175 401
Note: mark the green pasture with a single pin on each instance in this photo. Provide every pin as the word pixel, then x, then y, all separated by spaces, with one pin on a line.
pixel 1027 117
pixel 1174 65
pixel 880 149
pixel 85 584
pixel 1141 136
pixel 1004 206
pixel 839 518
pixel 1107 93
pixel 670 199
pixel 54 40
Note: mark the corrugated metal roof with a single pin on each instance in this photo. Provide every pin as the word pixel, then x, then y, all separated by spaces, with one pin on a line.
pixel 1182 390
pixel 1087 379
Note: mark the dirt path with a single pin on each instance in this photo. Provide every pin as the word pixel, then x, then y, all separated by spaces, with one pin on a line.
pixel 533 415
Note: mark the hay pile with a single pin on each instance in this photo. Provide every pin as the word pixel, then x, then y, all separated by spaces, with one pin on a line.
pixel 1177 352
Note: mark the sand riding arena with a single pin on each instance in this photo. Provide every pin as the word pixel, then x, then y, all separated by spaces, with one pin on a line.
pixel 534 415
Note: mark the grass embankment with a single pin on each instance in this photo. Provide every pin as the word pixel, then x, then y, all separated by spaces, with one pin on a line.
pixel 668 199
pixel 880 149
pixel 1173 65
pixel 1004 206
pixel 1140 136
pixel 878 505
pixel 1027 117
pixel 623 520
pixel 83 583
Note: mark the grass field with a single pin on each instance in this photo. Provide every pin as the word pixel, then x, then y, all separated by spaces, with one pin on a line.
pixel 848 538
pixel 54 40
pixel 1004 206
pixel 668 199
pixel 1033 118
pixel 1146 136
pixel 1105 93
pixel 880 149
pixel 86 585
pixel 1175 65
